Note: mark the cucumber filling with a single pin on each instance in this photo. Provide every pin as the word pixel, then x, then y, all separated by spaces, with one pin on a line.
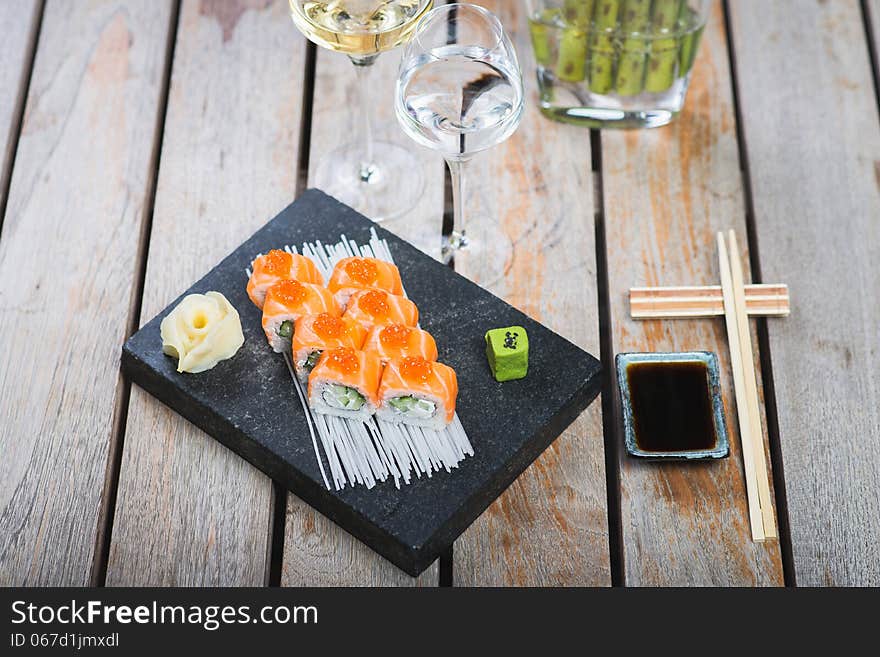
pixel 342 397
pixel 421 409
pixel 286 329
pixel 309 363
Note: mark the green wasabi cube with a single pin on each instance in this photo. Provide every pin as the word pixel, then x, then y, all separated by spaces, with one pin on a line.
pixel 508 352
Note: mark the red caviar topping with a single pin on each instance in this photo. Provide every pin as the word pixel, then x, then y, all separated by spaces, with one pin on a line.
pixel 375 303
pixel 414 368
pixel 395 335
pixel 343 359
pixel 362 270
pixel 277 262
pixel 289 292
pixel 327 326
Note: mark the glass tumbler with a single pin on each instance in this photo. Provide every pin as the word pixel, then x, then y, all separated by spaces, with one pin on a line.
pixel 615 63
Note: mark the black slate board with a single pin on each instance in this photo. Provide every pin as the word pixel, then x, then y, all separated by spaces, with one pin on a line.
pixel 249 404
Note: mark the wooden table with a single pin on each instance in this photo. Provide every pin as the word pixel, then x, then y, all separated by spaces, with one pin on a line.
pixel 142 141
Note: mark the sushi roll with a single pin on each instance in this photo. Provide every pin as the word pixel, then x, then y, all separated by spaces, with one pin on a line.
pixel 313 334
pixel 286 302
pixel 399 340
pixel 277 266
pixel 345 382
pixel 418 392
pixel 353 274
pixel 377 308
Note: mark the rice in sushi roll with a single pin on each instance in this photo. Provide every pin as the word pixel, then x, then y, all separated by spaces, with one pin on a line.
pixel 277 266
pixel 398 340
pixel 353 274
pixel 345 383
pixel 286 302
pixel 418 392
pixel 377 308
pixel 313 334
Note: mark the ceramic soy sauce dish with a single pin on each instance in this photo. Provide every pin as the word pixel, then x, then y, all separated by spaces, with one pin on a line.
pixel 672 406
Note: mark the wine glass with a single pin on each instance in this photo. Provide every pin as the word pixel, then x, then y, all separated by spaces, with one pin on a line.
pixel 380 179
pixel 459 91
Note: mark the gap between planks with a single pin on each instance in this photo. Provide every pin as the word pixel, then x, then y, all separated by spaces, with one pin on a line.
pixel 871 20
pixel 17 117
pixel 610 427
pixel 104 530
pixel 770 410
pixel 446 566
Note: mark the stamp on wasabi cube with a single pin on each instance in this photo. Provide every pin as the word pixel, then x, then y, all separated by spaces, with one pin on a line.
pixel 507 350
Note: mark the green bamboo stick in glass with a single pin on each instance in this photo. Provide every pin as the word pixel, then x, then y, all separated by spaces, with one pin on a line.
pixel 571 65
pixel 690 41
pixel 664 51
pixel 602 47
pixel 634 20
pixel 540 30
pixel 578 12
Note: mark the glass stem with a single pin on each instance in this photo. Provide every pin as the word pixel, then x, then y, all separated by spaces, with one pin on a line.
pixel 458 239
pixel 363 66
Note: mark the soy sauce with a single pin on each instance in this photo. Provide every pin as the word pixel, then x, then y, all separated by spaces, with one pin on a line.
pixel 672 409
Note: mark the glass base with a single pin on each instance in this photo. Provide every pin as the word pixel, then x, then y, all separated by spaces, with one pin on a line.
pixel 609 118
pixel 578 103
pixel 385 190
pixel 452 244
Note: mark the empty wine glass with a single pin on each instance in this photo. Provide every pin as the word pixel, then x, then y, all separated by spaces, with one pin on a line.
pixel 379 178
pixel 459 91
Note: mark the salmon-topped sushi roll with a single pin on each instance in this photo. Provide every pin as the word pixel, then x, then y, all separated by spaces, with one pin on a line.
pixel 418 392
pixel 399 340
pixel 345 382
pixel 277 266
pixel 314 334
pixel 377 308
pixel 286 302
pixel 353 274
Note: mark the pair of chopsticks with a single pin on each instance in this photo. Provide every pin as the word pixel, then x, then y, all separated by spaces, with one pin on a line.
pixel 767 300
pixel 745 387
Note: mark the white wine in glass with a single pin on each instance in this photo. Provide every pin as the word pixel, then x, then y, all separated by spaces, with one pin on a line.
pixel 380 179
pixel 359 27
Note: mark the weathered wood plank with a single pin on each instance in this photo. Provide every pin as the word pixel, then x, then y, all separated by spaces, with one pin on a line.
pixel 532 221
pixel 667 192
pixel 317 552
pixel 810 125
pixel 19 24
pixel 189 511
pixel 70 240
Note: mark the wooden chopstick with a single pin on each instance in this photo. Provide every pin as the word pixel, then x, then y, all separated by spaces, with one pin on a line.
pixel 756 519
pixel 748 361
pixel 705 301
